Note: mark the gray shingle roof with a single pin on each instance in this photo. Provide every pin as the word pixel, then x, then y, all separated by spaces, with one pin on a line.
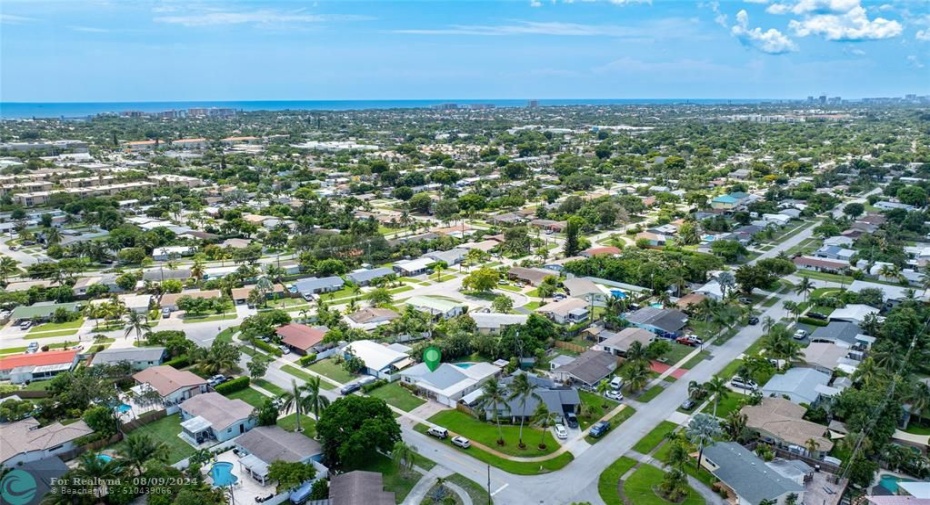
pixel 590 367
pixel 314 284
pixel 837 331
pixel 130 354
pixel 369 275
pixel 746 474
pixel 272 443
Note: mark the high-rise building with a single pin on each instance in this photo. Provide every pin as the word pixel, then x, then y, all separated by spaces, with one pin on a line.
pixel 823 99
pixel 533 104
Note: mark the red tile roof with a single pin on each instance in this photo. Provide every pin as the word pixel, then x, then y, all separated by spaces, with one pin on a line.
pixel 37 359
pixel 595 251
pixel 301 336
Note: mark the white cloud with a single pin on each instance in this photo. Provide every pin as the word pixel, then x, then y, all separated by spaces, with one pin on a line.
pixel 89 29
pixel 800 7
pixel 258 17
pixel 535 3
pixel 923 35
pixel 770 41
pixel 10 19
pixel 720 18
pixel 756 1
pixel 915 62
pixel 672 26
pixel 851 26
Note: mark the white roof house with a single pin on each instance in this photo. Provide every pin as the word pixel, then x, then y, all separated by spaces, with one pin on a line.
pixel 377 358
pixel 890 292
pixel 854 313
pixel 449 383
pixel 494 322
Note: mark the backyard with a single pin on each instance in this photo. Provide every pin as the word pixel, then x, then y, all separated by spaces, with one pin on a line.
pixel 394 394
pixel 166 430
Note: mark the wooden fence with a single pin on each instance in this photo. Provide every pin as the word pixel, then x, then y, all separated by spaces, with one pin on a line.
pixel 142 420
pixel 570 346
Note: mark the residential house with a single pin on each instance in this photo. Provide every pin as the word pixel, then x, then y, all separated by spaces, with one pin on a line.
pixel 559 400
pixel 780 422
pixel 835 253
pixel 313 285
pixel 580 287
pixel 46 472
pixel 667 323
pixel 301 338
pixel 600 251
pixel 449 383
pixel 81 285
pixel 652 238
pixel 173 385
pixel 450 257
pixel 588 369
pixel 359 488
pixel 26 441
pixel 780 220
pixel 567 311
pixel 891 293
pixel 842 333
pixel 213 417
pixel 25 368
pixel 549 225
pixel 492 322
pixel 828 356
pixel 436 307
pixel 820 264
pixel 263 445
pixel 712 290
pixel 531 276
pixel 411 268
pixel 170 300
pixel 729 202
pixel 838 241
pixel 370 318
pixel 161 274
pixel 800 385
pixel 138 358
pixel 168 253
pixel 685 303
pixel 139 304
pixel 619 343
pixel 41 312
pixel 241 295
pixel 380 361
pixel 746 477
pixel 853 313
pixel 366 277
pixel 886 205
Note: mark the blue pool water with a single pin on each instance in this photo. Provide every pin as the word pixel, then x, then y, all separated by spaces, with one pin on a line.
pixel 105 458
pixel 123 408
pixel 618 294
pixel 464 365
pixel 890 482
pixel 708 238
pixel 221 473
pixel 656 305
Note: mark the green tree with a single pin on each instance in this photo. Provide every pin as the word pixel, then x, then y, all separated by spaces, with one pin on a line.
pixel 483 280
pixel 258 366
pixel 140 448
pixel 541 418
pixel 292 400
pixel 8 267
pixel 420 203
pixel 703 430
pixel 717 386
pixel 804 287
pixel 502 304
pixel 438 267
pixel 521 389
pixel 353 427
pixel 573 235
pixel 313 400
pixel 290 475
pixel 379 297
pixel 404 456
pixel 493 396
pixel 137 323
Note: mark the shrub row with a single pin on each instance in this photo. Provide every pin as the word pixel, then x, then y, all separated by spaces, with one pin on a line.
pixel 307 360
pixel 265 346
pixel 179 362
pixel 237 384
pixel 813 322
pixel 368 388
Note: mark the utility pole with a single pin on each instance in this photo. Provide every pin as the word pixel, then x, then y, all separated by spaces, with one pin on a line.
pixel 489 485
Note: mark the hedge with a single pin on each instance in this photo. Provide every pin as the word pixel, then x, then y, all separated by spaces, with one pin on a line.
pixel 307 360
pixel 237 384
pixel 181 361
pixel 813 322
pixel 368 388
pixel 265 346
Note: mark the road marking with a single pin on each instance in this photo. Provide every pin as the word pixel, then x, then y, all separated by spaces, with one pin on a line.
pixel 499 489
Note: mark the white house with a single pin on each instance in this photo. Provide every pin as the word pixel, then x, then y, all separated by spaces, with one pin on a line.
pixel 25 441
pixel 213 417
pixel 380 361
pixel 173 385
pixel 172 252
pixel 437 307
pixel 449 383
pixel 778 219
pixel 491 322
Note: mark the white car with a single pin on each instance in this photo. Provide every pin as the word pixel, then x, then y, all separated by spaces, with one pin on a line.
pixel 461 442
pixel 614 395
pixel 560 432
pixel 800 334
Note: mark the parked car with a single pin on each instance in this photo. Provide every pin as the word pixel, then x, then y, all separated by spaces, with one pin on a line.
pixel 350 388
pixel 571 420
pixel 753 320
pixel 616 383
pixel 216 380
pixel 745 300
pixel 800 334
pixel 284 349
pixel 25 325
pixel 817 315
pixel 558 297
pixel 687 404
pixel 461 442
pixel 560 432
pixel 165 313
pixel 502 282
pixel 689 340
pixel 33 347
pixel 440 433
pixel 614 395
pixel 599 428
pixel 739 382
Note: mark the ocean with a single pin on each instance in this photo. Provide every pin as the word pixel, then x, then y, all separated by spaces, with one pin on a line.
pixel 24 110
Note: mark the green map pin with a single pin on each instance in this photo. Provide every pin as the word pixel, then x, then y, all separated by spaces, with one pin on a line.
pixel 431 357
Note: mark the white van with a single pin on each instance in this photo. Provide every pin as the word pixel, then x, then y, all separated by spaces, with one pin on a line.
pixel 616 383
pixel 560 432
pixel 440 433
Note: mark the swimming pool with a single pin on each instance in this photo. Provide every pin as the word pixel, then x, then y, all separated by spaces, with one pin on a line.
pixel 221 473
pixel 123 408
pixel 618 294
pixel 708 238
pixel 464 365
pixel 890 482
pixel 656 305
pixel 106 458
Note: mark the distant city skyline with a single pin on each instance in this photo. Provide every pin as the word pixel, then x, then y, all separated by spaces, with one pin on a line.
pixel 179 51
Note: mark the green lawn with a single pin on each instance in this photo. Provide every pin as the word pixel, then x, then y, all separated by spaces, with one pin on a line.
pixel 650 394
pixel 639 488
pixel 730 370
pixel 654 437
pixel 508 287
pixel 206 319
pixel 615 421
pixel 400 289
pixel 333 371
pixel 307 424
pixel 486 433
pixel 677 353
pixel 300 374
pixel 608 483
pixel 281 303
pixel 37 386
pixel 693 362
pixel 70 325
pixel 267 386
pixel 394 394
pixel 50 334
pixel 691 468
pixel 250 396
pixel 12 350
pixel 733 401
pixel 918 430
pixel 595 402
pixel 395 480
pixel 532 306
pixel 345 292
pixel 477 492
pixel 227 334
pixel 166 430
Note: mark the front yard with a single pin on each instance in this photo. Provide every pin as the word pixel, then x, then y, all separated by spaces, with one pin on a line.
pixel 250 396
pixel 594 403
pixel 395 394
pixel 640 488
pixel 486 433
pixel 330 369
pixel 70 325
pixel 166 430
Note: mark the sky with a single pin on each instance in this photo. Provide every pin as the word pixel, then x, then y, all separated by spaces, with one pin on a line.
pixel 188 50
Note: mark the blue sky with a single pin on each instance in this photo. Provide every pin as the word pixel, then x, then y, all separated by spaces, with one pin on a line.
pixel 161 50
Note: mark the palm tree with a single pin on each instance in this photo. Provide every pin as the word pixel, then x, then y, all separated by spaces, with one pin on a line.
pixel 197 270
pixel 790 306
pixel 292 400
pixel 314 401
pixel 404 455
pixel 678 451
pixel 99 471
pixel 522 389
pixel 696 390
pixel 438 268
pixel 767 323
pixel 541 417
pixel 493 396
pixel 636 352
pixel 919 399
pixel 804 287
pixel 636 374
pixel 141 448
pixel 53 236
pixel 735 423
pixel 811 445
pixel 8 267
pixel 702 431
pixel 602 387
pixel 138 323
pixel 717 386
